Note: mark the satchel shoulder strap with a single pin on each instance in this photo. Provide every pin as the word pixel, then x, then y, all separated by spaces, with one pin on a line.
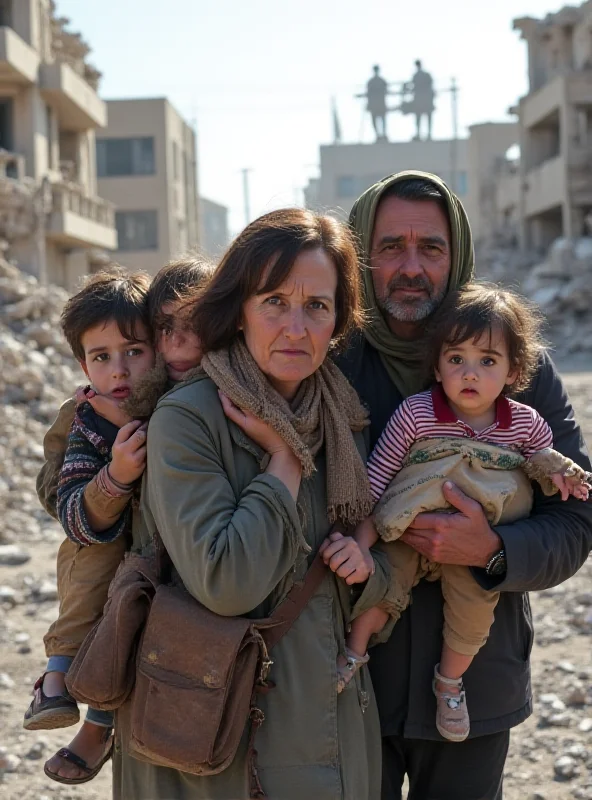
pixel 287 612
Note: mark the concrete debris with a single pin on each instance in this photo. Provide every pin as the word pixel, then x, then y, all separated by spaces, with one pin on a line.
pixel 561 286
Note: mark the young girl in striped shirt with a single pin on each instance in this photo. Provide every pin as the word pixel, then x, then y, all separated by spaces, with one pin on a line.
pixel 485 345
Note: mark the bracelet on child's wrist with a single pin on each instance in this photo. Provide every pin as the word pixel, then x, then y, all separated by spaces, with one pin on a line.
pixel 111 487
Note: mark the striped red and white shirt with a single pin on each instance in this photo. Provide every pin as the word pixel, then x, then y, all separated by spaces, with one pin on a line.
pixel 429 416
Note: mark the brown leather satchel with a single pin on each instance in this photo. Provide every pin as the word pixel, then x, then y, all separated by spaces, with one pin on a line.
pixel 196 674
pixel 103 672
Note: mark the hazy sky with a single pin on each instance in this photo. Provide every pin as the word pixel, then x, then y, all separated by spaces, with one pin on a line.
pixel 257 76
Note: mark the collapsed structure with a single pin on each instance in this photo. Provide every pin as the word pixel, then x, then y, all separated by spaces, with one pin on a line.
pixel 51 219
pixel 546 192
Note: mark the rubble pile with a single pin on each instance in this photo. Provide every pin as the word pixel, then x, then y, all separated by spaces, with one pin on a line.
pixel 561 286
pixel 37 373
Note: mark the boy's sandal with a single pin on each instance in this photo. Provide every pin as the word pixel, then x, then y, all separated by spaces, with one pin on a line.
pixel 67 755
pixel 347 670
pixel 47 713
pixel 452 715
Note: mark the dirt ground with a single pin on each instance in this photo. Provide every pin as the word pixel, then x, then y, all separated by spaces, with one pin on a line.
pixel 561 727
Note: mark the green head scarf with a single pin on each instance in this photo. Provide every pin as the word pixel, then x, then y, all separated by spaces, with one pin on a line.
pixel 404 359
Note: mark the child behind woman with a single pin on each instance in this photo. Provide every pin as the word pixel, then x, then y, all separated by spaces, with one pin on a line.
pixel 484 344
pixel 90 477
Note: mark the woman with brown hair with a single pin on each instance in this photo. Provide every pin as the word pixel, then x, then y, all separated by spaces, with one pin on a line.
pixel 249 464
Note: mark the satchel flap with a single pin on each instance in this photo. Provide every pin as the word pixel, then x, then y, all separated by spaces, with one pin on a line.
pixel 187 645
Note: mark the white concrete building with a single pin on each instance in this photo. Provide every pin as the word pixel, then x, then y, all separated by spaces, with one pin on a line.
pixel 346 170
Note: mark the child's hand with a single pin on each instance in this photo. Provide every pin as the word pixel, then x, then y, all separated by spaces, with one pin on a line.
pixel 570 485
pixel 128 456
pixel 257 430
pixel 344 556
pixel 105 406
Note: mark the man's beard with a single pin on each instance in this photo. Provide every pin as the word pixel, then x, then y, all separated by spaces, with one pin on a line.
pixel 413 309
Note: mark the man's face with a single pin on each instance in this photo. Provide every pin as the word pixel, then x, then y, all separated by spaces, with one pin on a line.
pixel 410 260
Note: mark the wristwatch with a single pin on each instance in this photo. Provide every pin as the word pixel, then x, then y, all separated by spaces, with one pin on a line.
pixel 497 564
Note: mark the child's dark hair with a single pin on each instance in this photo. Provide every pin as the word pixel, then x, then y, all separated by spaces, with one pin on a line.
pixel 180 280
pixel 111 294
pixel 484 308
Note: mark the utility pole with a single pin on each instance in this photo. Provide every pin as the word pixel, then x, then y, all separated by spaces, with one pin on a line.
pixel 453 89
pixel 246 198
pixel 454 148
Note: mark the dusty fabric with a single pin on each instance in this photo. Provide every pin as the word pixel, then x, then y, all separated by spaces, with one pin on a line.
pixel 324 413
pixel 83 578
pixel 490 474
pixel 468 608
pixel 549 461
pixel 404 359
pixel 239 541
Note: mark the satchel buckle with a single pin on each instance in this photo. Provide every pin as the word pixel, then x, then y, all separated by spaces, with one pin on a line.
pixel 266 662
pixel 257 716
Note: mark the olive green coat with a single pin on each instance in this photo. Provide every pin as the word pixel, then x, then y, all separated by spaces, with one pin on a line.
pixel 238 541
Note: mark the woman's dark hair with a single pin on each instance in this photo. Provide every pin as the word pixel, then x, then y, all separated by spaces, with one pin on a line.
pixel 111 294
pixel 272 243
pixel 181 280
pixel 484 308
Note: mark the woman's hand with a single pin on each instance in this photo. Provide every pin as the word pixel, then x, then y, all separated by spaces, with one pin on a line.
pixel 344 556
pixel 257 430
pixel 283 463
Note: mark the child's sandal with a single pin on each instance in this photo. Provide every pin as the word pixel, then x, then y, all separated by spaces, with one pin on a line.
pixel 452 716
pixel 88 773
pixel 47 713
pixel 348 668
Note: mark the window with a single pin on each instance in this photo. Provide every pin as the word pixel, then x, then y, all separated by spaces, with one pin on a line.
pixel 137 230
pixel 347 186
pixel 461 183
pixel 353 186
pixel 117 157
pixel 6 126
pixel 6 13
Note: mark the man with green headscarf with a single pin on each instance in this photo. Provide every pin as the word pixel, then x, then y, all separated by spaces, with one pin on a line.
pixel 415 246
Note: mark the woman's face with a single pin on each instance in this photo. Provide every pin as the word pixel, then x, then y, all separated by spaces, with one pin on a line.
pixel 288 331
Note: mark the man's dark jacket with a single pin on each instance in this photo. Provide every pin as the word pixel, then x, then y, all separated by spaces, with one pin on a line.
pixel 542 551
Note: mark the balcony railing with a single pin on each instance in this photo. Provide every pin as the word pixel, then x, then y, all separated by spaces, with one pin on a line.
pixel 71 197
pixel 579 172
pixel 545 186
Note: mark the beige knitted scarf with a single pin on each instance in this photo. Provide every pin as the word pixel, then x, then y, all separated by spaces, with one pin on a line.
pixel 324 412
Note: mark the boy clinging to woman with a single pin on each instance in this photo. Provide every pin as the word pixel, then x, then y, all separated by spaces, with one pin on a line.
pixel 95 456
